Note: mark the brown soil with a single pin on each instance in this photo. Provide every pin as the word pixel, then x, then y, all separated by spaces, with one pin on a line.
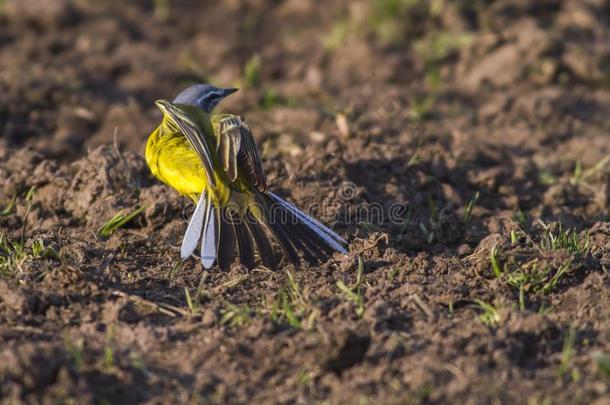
pixel 483 124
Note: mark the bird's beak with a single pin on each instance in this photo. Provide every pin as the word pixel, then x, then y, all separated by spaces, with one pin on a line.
pixel 229 91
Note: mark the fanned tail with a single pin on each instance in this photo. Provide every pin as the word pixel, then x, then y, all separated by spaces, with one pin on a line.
pixel 223 231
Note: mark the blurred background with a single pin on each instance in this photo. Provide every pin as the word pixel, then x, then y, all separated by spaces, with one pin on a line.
pixel 78 73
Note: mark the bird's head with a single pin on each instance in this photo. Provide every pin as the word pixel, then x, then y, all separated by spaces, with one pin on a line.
pixel 204 96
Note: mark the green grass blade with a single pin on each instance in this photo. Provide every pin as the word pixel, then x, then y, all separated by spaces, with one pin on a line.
pixel 118 221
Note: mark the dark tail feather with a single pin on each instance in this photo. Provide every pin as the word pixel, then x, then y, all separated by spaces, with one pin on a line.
pixel 314 244
pixel 262 241
pixel 278 230
pixel 284 239
pixel 244 244
pixel 226 243
pixel 305 240
pixel 313 249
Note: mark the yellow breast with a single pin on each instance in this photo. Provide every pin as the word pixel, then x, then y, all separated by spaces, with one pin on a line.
pixel 172 160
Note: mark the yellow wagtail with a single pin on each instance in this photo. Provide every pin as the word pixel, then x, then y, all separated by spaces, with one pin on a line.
pixel 213 159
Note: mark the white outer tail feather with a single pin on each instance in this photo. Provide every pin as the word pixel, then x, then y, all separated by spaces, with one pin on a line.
pixel 202 222
pixel 193 231
pixel 208 241
pixel 324 232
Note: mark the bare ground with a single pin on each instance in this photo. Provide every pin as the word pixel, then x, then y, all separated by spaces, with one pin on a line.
pixel 461 147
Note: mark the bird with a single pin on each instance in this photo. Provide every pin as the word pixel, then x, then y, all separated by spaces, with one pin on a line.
pixel 212 159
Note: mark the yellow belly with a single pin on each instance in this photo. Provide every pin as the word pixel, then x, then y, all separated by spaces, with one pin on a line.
pixel 172 160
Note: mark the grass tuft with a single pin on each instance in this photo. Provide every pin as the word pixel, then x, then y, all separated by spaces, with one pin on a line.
pixel 271 99
pixel 10 207
pixel 439 45
pixel 392 273
pixel 118 221
pixel 337 36
pixel 537 264
pixel 304 377
pixel 495 262
pixel 75 349
pixel 192 305
pixel 354 294
pixel 162 9
pixel 470 206
pixel 293 304
pixel 390 19
pixel 234 315
pixel 568 240
pixel 108 358
pixel 252 71
pixel 490 315
pixel 14 254
pixel 567 352
pixel 583 176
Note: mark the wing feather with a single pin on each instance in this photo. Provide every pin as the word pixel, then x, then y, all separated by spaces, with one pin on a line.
pixel 193 133
pixel 243 157
pixel 233 149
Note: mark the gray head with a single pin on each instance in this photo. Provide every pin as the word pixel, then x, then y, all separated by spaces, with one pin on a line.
pixel 203 96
